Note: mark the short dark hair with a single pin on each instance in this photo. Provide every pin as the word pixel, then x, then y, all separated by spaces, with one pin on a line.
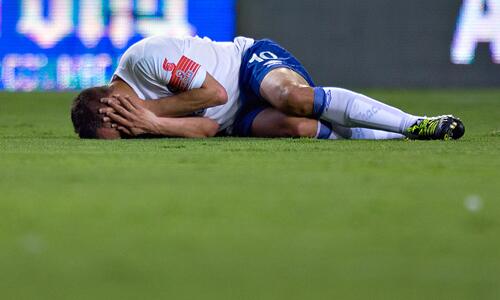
pixel 85 111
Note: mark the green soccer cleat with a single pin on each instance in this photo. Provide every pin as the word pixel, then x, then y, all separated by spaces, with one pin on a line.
pixel 436 128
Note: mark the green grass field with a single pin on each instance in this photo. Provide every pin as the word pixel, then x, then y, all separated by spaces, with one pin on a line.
pixel 231 218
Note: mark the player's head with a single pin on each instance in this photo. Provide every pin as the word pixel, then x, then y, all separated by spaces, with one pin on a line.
pixel 85 115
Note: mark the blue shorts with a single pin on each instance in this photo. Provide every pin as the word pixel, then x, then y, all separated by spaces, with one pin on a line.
pixel 260 59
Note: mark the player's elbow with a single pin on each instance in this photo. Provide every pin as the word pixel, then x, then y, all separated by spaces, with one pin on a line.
pixel 207 128
pixel 219 96
pixel 211 129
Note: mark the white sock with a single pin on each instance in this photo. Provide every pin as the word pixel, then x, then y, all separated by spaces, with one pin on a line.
pixel 337 132
pixel 373 134
pixel 350 109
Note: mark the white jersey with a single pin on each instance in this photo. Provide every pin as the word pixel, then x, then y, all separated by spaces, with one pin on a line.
pixel 160 66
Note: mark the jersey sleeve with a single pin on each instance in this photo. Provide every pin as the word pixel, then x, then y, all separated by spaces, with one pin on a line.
pixel 160 64
pixel 175 69
pixel 125 69
pixel 186 75
pixel 180 73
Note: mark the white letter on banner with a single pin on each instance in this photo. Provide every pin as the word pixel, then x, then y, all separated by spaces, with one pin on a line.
pixel 174 22
pixel 121 27
pixel 476 25
pixel 82 71
pixel 91 26
pixel 46 32
pixel 20 71
pixel 144 7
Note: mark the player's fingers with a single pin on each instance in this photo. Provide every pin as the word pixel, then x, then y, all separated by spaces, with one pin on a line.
pixel 126 103
pixel 135 104
pixel 119 109
pixel 105 110
pixel 120 120
pixel 124 130
pixel 106 119
pixel 108 100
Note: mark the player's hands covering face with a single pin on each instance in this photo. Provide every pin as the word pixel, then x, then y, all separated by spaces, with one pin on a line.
pixel 128 116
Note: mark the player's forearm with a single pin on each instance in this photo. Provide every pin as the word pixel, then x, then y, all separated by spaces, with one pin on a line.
pixel 196 127
pixel 186 103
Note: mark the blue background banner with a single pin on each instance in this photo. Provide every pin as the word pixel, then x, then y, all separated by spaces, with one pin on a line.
pixel 73 44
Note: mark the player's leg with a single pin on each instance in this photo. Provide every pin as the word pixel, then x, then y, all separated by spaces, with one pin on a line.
pixel 262 120
pixel 288 91
pixel 359 133
pixel 272 123
pixel 272 73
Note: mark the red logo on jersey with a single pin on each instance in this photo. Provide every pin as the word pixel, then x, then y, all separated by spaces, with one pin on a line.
pixel 169 67
pixel 182 74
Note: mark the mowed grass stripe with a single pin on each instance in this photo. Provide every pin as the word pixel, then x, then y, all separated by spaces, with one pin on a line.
pixel 231 218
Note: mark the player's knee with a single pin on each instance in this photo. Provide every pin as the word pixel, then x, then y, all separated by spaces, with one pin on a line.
pixel 300 128
pixel 294 100
pixel 304 129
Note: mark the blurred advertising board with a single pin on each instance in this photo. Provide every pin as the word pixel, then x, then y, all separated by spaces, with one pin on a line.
pixel 73 44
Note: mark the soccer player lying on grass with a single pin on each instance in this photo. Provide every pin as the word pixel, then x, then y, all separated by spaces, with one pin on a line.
pixel 195 87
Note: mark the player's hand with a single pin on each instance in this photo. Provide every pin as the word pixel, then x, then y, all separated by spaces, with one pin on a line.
pixel 133 100
pixel 128 116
